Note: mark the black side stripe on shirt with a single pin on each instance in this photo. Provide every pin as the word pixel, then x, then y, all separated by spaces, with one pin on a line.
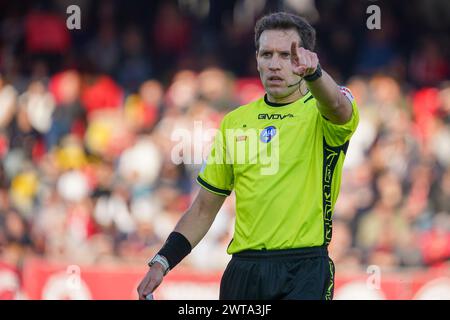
pixel 212 188
pixel 229 244
pixel 330 288
pixel 330 160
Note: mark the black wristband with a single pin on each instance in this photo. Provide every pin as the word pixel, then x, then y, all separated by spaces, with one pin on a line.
pixel 316 75
pixel 175 248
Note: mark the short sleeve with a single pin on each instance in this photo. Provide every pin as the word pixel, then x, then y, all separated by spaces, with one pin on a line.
pixel 338 134
pixel 216 174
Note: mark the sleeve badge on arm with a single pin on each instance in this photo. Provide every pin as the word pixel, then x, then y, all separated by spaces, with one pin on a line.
pixel 346 92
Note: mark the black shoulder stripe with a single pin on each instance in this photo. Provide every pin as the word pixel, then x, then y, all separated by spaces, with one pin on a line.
pixel 309 98
pixel 345 147
pixel 212 188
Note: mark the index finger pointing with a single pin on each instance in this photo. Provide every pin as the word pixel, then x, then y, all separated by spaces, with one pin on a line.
pixel 294 54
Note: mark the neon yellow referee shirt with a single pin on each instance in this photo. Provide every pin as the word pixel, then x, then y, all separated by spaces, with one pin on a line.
pixel 284 164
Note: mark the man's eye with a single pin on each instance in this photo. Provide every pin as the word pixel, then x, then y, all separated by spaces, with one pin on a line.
pixel 285 55
pixel 266 54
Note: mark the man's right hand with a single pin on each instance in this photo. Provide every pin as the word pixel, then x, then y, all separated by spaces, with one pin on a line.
pixel 151 281
pixel 193 225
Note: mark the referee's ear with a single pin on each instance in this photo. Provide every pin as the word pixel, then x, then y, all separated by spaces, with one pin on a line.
pixel 256 57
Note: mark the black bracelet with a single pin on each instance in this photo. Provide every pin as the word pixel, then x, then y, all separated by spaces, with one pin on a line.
pixel 316 75
pixel 175 248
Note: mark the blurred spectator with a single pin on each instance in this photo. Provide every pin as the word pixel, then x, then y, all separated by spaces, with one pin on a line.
pixel 444 97
pixel 216 87
pixel 171 34
pixel 144 110
pixel 8 100
pixel 377 52
pixel 21 131
pixel 107 135
pixel 135 66
pixel 416 204
pixel 50 26
pixel 39 106
pixel 68 116
pixel 341 249
pixel 15 241
pixel 435 243
pixel 130 164
pixel 383 227
pixel 428 65
pixel 440 193
pixel 47 37
pixel 105 42
pixel 100 92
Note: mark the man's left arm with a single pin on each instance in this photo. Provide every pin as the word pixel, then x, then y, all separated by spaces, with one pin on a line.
pixel 332 104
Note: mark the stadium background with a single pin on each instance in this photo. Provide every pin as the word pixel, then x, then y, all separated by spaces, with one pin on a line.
pixel 88 190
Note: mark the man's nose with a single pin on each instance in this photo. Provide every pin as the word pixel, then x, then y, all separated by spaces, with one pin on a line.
pixel 274 64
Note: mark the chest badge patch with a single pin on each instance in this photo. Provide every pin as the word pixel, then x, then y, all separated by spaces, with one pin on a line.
pixel 267 134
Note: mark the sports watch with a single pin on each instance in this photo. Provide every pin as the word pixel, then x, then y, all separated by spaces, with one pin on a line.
pixel 162 260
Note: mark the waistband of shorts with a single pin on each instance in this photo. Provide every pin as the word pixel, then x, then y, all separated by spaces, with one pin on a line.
pixel 308 252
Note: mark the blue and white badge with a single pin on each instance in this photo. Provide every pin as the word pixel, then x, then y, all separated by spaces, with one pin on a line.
pixel 268 133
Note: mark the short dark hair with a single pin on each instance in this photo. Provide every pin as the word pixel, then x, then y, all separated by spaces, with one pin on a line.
pixel 286 21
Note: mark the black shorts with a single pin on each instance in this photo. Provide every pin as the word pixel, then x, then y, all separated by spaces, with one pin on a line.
pixel 296 274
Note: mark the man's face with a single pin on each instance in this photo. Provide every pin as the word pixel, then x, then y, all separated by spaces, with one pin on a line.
pixel 274 62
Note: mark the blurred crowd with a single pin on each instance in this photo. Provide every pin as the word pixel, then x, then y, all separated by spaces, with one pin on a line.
pixel 100 128
pixel 91 174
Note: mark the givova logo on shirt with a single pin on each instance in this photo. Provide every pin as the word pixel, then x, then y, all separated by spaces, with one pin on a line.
pixel 274 116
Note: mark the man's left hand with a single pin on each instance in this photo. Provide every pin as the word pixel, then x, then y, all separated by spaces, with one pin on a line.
pixel 304 62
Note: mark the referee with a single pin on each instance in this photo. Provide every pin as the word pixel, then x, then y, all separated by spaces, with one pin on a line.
pixel 283 156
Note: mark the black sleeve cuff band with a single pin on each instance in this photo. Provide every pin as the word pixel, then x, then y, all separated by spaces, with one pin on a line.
pixel 212 188
pixel 175 249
